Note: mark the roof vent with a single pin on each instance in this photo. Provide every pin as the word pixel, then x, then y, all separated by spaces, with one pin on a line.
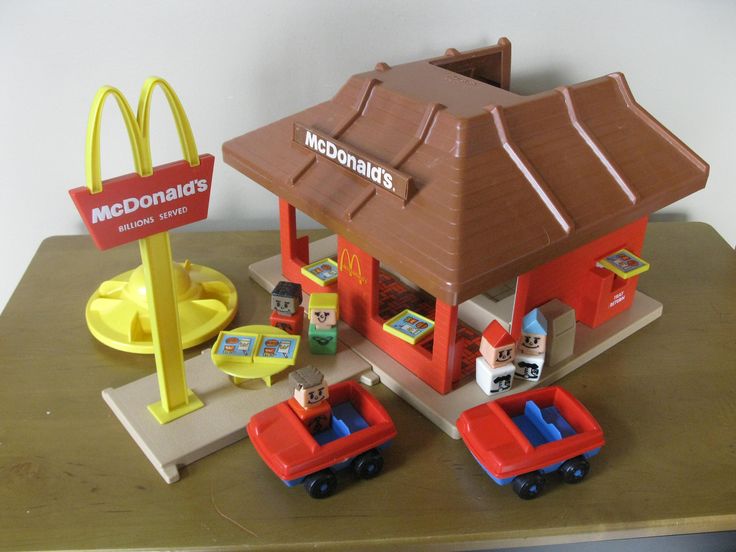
pixel 488 65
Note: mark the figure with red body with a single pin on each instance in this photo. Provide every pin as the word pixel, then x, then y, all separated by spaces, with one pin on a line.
pixel 287 314
pixel 309 402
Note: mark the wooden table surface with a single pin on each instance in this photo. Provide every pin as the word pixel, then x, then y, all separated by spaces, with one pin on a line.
pixel 71 477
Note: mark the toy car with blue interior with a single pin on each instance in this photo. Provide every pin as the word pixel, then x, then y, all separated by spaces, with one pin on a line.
pixel 359 429
pixel 520 438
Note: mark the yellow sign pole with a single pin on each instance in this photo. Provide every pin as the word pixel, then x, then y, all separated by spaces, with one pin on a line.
pixel 176 398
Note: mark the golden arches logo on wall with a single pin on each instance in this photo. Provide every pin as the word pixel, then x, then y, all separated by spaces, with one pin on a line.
pixel 352 264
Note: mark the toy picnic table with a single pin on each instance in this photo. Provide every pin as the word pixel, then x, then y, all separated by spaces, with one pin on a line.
pixel 240 367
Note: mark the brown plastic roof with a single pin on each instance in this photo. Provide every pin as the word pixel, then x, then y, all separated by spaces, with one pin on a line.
pixel 500 183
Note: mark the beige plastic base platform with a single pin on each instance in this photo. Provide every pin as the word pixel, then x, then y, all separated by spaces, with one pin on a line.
pixel 227 408
pixel 444 410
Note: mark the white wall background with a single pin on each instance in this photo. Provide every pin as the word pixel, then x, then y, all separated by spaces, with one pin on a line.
pixel 239 65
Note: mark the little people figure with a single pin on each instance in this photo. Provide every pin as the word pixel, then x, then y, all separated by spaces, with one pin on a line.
pixel 309 402
pixel 323 316
pixel 530 360
pixel 287 314
pixel 494 369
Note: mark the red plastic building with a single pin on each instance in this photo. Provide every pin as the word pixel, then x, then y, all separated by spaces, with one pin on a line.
pixel 436 169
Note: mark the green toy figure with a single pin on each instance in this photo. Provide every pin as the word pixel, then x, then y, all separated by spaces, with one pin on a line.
pixel 323 316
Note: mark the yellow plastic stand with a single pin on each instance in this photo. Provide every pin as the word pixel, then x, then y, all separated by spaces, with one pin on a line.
pixel 117 312
pixel 176 398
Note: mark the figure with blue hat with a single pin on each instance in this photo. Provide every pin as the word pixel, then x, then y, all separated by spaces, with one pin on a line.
pixel 529 360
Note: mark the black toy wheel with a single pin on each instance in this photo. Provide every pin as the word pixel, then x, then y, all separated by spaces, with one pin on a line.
pixel 368 465
pixel 528 485
pixel 574 470
pixel 321 484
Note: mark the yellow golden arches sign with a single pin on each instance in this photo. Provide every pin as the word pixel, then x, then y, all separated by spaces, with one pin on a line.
pixel 133 207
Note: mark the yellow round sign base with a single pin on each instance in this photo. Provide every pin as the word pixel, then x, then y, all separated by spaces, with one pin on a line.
pixel 117 312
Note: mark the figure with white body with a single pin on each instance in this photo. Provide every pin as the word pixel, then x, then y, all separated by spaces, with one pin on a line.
pixel 494 369
pixel 530 359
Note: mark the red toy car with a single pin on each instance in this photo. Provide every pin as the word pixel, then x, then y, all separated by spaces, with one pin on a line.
pixel 520 438
pixel 360 428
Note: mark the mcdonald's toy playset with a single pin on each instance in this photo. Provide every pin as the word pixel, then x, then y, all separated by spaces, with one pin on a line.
pixel 518 439
pixel 442 187
pixel 481 236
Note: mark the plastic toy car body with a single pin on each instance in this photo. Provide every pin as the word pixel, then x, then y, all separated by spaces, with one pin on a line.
pixel 520 438
pixel 360 429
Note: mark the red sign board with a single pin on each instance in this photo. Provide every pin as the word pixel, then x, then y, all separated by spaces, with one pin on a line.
pixel 132 207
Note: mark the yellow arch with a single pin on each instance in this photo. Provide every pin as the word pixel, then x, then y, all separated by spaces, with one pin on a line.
pixel 186 137
pixel 141 155
pixel 138 128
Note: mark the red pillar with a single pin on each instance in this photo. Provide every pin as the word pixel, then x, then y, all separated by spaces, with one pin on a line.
pixel 292 248
pixel 357 285
pixel 445 356
pixel 295 251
